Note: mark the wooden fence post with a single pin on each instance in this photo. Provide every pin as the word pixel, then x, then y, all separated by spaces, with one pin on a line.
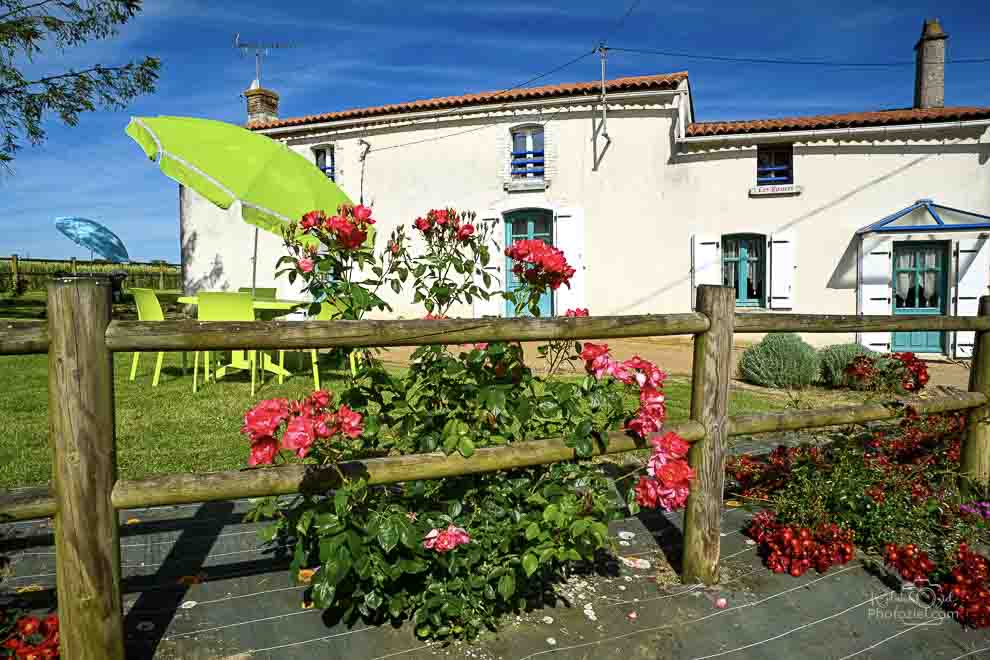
pixel 13 273
pixel 709 406
pixel 81 414
pixel 974 464
pixel 73 266
pixel 161 275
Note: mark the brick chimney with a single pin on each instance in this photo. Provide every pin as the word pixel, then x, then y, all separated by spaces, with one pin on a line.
pixel 262 104
pixel 929 76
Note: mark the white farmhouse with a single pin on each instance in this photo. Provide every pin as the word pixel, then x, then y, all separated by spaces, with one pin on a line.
pixel 869 212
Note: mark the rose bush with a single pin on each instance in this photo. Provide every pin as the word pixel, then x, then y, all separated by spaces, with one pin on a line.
pixel 453 555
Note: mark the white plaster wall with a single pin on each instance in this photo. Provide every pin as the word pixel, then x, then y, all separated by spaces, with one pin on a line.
pixel 641 201
pixel 217 246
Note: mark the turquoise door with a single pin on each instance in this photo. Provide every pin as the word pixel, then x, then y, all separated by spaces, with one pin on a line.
pixel 522 225
pixel 919 287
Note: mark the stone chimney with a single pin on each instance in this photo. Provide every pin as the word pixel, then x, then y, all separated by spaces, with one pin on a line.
pixel 262 104
pixel 929 76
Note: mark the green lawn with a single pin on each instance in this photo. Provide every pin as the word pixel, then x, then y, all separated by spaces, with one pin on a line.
pixel 170 429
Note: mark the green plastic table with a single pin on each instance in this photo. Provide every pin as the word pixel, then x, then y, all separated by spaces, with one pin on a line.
pixel 259 306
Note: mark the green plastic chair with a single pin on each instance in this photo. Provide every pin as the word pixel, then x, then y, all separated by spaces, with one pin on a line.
pixel 150 309
pixel 261 293
pixel 223 306
pixel 328 312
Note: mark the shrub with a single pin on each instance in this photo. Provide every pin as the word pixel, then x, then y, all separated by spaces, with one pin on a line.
pixel 834 360
pixel 780 360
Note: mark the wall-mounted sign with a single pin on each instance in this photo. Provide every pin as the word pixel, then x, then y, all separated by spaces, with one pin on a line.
pixel 787 189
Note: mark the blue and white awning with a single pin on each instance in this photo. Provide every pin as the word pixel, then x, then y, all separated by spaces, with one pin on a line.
pixel 926 216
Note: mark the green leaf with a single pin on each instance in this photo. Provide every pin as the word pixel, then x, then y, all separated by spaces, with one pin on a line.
pixel 551 514
pixel 323 592
pixel 532 531
pixel 373 600
pixel 579 526
pixel 507 586
pixel 466 447
pixel 340 501
pixel 530 563
pixel 388 535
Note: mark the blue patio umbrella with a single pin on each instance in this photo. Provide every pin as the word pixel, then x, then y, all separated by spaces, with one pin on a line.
pixel 94 236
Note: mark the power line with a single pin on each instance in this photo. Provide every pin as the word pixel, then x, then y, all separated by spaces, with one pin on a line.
pixel 758 60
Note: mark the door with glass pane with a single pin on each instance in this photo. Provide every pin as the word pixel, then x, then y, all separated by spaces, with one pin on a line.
pixel 920 283
pixel 744 268
pixel 527 225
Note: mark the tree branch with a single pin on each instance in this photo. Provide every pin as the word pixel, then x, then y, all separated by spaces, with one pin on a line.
pixel 24 9
pixel 61 76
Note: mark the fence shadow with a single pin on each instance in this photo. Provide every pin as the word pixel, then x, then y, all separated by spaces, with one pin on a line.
pixel 153 611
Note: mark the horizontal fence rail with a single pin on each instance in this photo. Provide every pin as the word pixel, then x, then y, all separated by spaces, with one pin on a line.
pixel 29 503
pixel 187 335
pixel 753 323
pixel 21 337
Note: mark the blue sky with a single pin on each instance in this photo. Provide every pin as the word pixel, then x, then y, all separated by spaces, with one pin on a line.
pixel 368 52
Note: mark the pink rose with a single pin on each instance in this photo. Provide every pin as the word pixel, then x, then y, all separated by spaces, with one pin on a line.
pixel 465 232
pixel 263 420
pixel 263 452
pixel 350 422
pixel 306 265
pixel 320 398
pixel 423 224
pixel 577 312
pixel 445 540
pixel 299 435
pixel 363 214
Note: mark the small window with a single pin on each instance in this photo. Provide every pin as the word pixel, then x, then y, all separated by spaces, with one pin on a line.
pixel 325 161
pixel 774 165
pixel 744 268
pixel 527 152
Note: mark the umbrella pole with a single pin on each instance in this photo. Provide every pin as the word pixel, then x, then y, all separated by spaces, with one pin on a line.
pixel 254 264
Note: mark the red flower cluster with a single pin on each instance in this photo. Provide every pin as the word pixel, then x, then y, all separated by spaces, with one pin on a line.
pixel 966 591
pixel 876 493
pixel 579 312
pixel 634 371
pixel 912 564
pixel 669 480
pixel 306 421
pixel 902 371
pixel 795 550
pixel 446 223
pixel 759 477
pixel 349 228
pixel 540 264
pixel 34 638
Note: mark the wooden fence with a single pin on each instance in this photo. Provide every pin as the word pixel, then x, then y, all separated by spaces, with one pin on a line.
pixel 80 340
pixel 35 274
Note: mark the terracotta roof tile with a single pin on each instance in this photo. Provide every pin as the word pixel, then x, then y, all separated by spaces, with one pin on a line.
pixel 633 83
pixel 847 120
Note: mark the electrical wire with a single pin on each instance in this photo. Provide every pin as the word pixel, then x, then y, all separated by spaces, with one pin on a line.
pixel 759 60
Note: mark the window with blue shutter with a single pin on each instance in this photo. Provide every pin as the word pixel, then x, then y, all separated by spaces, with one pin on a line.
pixel 527 152
pixel 325 161
pixel 774 165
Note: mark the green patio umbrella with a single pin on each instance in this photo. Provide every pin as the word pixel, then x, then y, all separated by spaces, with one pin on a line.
pixel 226 163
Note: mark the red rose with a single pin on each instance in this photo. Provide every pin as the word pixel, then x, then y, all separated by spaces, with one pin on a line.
pixel 465 232
pixel 263 452
pixel 299 435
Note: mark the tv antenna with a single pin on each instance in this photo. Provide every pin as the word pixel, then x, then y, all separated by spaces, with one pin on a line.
pixel 260 50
